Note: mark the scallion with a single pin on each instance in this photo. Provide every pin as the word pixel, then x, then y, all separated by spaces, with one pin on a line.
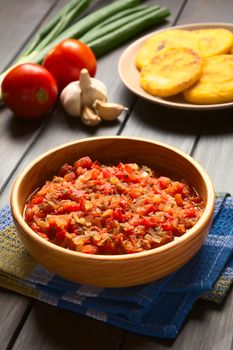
pixel 115 24
pixel 102 30
pixel 59 23
pixel 110 40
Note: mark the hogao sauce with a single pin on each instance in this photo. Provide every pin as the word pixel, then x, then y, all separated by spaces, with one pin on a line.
pixel 112 209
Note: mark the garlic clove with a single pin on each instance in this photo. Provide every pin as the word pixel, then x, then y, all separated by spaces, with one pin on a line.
pixel 89 118
pixel 108 111
pixel 91 89
pixel 84 79
pixel 70 99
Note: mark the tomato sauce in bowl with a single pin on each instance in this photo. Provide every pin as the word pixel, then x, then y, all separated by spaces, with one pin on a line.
pixel 112 209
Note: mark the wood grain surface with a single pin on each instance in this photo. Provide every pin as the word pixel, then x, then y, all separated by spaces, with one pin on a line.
pixel 207 136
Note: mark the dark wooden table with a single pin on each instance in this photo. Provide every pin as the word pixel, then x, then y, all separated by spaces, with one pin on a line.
pixel 207 136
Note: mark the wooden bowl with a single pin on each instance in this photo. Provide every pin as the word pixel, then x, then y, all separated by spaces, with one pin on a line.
pixel 112 270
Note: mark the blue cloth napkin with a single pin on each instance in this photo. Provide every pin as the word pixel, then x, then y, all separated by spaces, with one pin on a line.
pixel 156 309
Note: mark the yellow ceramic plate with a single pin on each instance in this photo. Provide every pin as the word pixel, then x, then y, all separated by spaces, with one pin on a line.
pixel 130 76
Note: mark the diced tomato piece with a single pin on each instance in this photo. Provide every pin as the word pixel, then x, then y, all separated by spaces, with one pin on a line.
pixel 69 177
pixel 106 173
pixel 84 162
pixel 129 168
pixel 57 222
pixel 79 171
pixel 65 169
pixel 197 199
pixel 164 181
pixel 148 222
pixel 120 165
pixel 178 199
pixel 149 208
pixel 190 213
pixel 29 214
pixel 68 207
pixel 61 235
pixel 167 226
pixel 89 249
pixel 108 247
pixel 117 215
pixel 82 204
pixel 37 200
pixel 95 174
pixel 176 187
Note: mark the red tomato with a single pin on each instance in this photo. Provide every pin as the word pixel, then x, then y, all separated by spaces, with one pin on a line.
pixel 66 60
pixel 29 90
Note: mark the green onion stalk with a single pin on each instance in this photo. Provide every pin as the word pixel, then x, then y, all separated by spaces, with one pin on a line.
pixel 102 30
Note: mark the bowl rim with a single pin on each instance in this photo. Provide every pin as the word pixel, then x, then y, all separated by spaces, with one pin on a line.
pixel 195 230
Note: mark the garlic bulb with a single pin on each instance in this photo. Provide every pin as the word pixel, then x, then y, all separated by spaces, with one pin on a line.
pixel 71 99
pixel 92 89
pixel 87 98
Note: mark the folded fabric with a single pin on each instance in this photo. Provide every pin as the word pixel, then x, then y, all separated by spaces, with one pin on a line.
pixel 156 309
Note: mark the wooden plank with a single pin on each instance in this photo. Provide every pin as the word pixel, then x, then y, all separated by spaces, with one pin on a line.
pixel 209 326
pixel 13 306
pixel 18 20
pixel 215 153
pixel 200 11
pixel 15 136
pixel 165 125
pixel 48 327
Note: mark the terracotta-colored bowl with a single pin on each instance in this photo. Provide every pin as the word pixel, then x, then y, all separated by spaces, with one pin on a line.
pixel 121 270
